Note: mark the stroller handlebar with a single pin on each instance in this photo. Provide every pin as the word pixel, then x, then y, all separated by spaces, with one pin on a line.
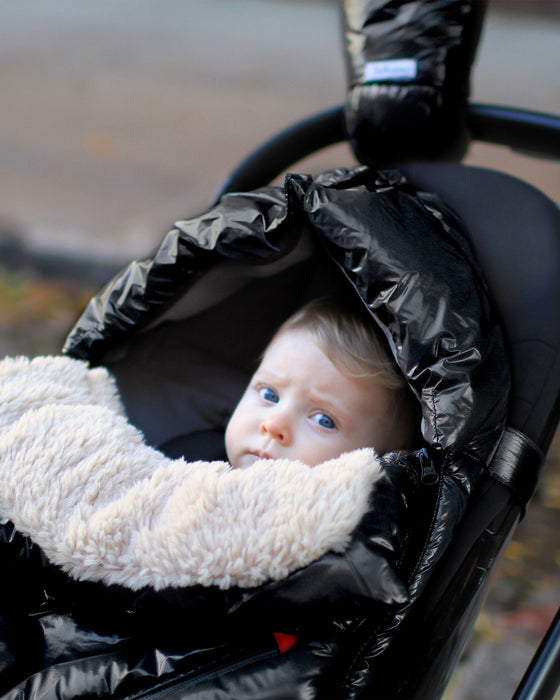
pixel 526 131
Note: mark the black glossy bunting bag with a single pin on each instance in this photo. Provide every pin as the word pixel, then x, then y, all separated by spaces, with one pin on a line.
pixel 181 332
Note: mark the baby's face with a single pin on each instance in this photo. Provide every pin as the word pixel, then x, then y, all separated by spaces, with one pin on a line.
pixel 298 405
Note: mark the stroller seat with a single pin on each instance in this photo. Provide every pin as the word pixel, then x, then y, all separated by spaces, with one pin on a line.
pixel 497 211
pixel 515 232
pixel 514 229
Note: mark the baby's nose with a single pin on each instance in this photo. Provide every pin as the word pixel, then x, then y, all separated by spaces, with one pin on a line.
pixel 277 427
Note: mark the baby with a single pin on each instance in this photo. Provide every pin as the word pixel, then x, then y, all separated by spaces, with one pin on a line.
pixel 326 385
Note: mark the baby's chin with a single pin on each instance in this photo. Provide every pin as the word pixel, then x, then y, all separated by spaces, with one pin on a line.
pixel 247 460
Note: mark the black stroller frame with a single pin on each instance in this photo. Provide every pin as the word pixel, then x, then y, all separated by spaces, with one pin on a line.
pixel 487 527
pixel 523 130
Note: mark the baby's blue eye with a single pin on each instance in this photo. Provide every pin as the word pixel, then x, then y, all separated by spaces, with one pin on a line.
pixel 268 395
pixel 324 421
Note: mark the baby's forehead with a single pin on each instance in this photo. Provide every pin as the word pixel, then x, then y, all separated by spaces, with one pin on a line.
pixel 300 339
pixel 299 331
pixel 296 352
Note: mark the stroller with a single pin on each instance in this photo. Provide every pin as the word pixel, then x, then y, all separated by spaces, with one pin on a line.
pixel 438 519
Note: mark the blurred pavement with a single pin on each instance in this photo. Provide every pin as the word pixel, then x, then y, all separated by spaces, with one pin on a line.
pixel 120 117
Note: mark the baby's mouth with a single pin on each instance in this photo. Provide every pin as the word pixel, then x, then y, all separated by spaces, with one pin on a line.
pixel 249 458
pixel 254 456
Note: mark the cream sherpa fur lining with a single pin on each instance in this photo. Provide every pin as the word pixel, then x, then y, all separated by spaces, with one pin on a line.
pixel 78 479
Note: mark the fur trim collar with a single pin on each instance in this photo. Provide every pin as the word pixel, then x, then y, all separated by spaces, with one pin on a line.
pixel 78 479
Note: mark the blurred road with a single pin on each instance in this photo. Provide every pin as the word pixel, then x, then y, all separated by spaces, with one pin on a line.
pixel 118 118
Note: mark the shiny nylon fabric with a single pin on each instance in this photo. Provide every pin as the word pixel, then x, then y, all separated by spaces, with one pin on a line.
pixel 408 69
pixel 244 227
pixel 405 256
pixel 402 251
pixel 436 317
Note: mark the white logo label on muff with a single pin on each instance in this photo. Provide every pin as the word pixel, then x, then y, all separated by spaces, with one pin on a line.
pixel 394 69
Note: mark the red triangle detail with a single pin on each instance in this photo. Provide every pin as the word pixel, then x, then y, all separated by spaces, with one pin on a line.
pixel 285 641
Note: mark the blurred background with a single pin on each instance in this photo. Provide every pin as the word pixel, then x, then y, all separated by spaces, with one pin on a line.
pixel 119 118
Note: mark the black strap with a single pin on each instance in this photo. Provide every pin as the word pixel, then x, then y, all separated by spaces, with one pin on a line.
pixel 517 464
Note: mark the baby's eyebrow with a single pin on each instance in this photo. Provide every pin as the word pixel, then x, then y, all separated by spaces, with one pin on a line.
pixel 269 376
pixel 330 405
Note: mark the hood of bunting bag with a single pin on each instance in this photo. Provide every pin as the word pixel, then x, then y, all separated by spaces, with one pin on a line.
pixel 402 250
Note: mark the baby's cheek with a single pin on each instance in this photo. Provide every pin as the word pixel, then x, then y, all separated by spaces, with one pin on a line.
pixel 230 438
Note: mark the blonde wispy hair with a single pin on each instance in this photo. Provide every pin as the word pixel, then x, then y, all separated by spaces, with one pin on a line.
pixel 351 342
pixel 354 344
